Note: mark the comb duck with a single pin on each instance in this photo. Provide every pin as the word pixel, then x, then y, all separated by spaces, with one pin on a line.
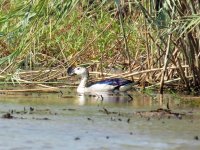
pixel 107 85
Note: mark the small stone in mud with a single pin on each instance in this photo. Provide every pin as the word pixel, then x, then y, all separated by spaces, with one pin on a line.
pixel 119 119
pixel 71 109
pixel 128 120
pixel 107 137
pixel 89 119
pixel 196 137
pixel 41 118
pixel 106 111
pixel 31 109
pixel 77 138
pixel 7 116
pixel 131 133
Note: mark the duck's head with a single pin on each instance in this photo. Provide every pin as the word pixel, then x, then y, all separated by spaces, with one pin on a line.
pixel 83 72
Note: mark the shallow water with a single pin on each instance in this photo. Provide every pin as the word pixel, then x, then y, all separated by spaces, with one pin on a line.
pixel 68 121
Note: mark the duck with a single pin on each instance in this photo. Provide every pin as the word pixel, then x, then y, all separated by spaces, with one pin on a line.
pixel 106 85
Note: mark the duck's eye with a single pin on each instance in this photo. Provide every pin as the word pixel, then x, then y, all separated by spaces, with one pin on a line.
pixel 78 68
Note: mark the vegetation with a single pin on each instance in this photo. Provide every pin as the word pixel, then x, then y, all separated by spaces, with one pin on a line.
pixel 155 42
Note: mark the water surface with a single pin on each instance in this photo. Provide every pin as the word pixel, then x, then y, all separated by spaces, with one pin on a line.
pixel 69 121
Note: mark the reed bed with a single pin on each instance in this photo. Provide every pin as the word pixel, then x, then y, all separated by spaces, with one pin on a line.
pixel 154 42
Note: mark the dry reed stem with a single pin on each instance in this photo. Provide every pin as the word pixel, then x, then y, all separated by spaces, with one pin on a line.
pixel 50 89
pixel 74 58
pixel 127 74
pixel 10 65
pixel 168 81
pixel 148 70
pixel 165 64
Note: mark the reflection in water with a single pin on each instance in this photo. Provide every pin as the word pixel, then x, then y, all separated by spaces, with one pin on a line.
pixel 105 97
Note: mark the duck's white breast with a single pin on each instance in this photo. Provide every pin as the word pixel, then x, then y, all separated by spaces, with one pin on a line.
pixel 101 87
pixel 96 87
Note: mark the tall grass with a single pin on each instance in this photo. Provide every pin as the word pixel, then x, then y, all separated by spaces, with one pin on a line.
pixel 146 37
pixel 180 21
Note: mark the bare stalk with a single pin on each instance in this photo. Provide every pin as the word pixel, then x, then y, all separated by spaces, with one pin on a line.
pixel 165 64
pixel 124 35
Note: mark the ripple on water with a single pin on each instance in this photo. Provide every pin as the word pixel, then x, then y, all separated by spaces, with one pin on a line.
pixel 89 123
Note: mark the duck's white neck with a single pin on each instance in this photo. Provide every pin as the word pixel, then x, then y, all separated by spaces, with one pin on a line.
pixel 83 82
pixel 82 86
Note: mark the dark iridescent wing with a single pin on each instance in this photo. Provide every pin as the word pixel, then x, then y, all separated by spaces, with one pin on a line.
pixel 114 82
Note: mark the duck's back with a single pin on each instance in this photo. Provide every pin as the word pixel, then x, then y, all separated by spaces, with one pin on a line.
pixel 111 84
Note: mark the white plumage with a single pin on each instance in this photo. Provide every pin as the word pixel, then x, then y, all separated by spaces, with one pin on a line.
pixel 107 85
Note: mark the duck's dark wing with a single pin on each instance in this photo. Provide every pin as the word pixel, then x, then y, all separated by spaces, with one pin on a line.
pixel 117 82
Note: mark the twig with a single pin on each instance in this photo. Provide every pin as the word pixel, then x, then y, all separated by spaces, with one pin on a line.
pixel 165 64
pixel 169 81
pixel 51 89
pixel 124 35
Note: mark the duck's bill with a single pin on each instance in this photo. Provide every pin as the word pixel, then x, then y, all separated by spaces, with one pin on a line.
pixel 70 71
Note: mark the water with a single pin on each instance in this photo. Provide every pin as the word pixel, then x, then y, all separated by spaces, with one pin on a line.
pixel 69 121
